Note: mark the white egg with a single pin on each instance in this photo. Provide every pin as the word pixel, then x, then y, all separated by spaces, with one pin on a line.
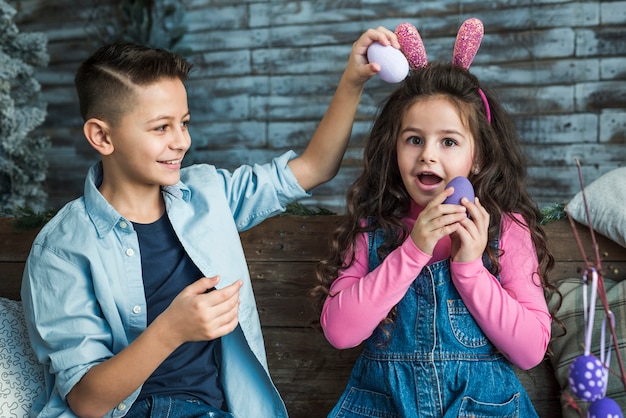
pixel 394 66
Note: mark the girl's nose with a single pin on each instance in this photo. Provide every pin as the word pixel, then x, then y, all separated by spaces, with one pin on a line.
pixel 429 153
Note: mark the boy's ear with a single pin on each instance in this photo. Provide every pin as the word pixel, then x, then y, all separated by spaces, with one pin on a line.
pixel 97 133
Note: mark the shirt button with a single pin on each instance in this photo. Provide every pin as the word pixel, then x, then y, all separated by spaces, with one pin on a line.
pixel 136 309
pixel 123 225
pixel 130 252
pixel 121 407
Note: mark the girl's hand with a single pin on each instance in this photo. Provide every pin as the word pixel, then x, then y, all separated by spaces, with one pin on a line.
pixel 470 239
pixel 436 221
pixel 359 69
pixel 201 314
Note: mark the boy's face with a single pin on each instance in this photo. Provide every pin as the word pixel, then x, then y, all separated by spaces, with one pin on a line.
pixel 151 139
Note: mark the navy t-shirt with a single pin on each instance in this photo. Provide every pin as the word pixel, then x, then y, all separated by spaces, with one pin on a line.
pixel 190 371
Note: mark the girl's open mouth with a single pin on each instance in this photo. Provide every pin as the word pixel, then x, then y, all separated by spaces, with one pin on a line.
pixel 429 179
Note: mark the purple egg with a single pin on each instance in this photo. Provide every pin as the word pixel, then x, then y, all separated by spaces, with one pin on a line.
pixel 588 378
pixel 394 66
pixel 462 188
pixel 604 408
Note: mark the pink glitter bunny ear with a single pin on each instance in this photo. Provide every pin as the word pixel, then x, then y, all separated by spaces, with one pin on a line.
pixel 467 42
pixel 411 45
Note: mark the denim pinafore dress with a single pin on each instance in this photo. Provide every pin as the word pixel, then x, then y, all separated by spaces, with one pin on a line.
pixel 433 360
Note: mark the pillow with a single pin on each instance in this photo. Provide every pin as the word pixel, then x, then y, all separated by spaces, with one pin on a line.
pixel 566 348
pixel 606 197
pixel 21 376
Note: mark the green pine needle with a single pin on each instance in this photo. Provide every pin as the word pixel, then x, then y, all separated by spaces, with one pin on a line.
pixel 553 212
pixel 300 210
pixel 26 218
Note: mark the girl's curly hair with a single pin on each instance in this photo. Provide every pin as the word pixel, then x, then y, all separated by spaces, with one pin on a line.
pixel 379 192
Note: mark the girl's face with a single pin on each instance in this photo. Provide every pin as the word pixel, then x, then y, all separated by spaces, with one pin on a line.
pixel 433 147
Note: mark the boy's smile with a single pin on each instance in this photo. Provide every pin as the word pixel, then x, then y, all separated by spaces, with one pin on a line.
pixel 434 146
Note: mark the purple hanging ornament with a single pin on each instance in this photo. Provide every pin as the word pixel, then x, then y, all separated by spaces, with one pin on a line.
pixel 589 375
pixel 604 408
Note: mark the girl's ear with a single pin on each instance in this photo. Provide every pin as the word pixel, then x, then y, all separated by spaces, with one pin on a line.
pixel 96 131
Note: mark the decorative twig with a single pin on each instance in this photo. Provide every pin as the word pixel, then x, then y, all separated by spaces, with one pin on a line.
pixel 598 268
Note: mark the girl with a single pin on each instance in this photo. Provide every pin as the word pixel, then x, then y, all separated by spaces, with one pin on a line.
pixel 445 297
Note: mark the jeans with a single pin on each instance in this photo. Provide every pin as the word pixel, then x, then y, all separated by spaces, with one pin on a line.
pixel 169 407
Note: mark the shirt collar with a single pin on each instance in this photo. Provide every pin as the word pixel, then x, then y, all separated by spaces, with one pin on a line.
pixel 178 191
pixel 102 214
pixel 414 210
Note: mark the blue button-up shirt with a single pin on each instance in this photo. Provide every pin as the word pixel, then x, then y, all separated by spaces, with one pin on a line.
pixel 83 292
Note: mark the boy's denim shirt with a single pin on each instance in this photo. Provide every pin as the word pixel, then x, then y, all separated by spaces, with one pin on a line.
pixel 83 293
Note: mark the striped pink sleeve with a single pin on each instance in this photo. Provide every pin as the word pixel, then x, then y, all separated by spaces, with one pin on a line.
pixel 512 313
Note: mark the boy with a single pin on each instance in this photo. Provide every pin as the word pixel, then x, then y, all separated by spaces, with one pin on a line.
pixel 137 295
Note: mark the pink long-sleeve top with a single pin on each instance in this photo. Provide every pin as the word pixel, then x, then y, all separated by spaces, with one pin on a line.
pixel 512 313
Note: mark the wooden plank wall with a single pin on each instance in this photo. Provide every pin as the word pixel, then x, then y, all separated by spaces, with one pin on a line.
pixel 266 70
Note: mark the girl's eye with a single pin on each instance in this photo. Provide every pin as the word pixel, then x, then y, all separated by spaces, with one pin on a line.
pixel 414 140
pixel 185 123
pixel 161 128
pixel 449 142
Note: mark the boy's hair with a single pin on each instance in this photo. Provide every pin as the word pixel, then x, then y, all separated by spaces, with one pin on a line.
pixel 105 82
pixel 379 193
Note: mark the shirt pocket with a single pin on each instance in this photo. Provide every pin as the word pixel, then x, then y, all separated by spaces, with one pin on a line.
pixel 464 327
pixel 361 403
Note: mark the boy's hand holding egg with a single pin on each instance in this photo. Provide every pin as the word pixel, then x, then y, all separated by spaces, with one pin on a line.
pixel 395 63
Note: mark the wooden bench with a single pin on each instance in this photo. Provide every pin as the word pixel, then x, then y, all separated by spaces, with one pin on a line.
pixel 282 253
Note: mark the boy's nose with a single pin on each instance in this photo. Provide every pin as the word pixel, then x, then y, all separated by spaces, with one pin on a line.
pixel 181 140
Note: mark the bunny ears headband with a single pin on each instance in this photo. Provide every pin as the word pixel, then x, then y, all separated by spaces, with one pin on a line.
pixel 395 64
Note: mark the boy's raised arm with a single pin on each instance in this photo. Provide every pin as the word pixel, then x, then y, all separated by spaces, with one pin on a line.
pixel 322 157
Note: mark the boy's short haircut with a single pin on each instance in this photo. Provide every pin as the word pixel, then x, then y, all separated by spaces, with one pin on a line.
pixel 105 81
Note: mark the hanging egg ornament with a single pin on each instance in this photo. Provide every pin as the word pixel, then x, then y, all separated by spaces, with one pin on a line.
pixel 588 378
pixel 604 408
